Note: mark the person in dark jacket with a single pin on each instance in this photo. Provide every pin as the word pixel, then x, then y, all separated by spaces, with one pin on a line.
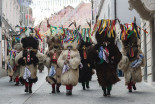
pixel 85 72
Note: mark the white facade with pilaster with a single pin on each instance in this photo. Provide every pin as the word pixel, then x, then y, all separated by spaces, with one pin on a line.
pixel 146 9
pixel 10 18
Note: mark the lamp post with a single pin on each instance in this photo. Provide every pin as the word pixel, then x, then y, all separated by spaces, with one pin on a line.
pixel 1 5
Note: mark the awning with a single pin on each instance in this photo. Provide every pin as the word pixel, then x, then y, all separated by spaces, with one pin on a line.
pixel 12 32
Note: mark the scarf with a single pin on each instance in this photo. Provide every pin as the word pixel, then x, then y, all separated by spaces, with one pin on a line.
pixel 52 71
pixel 103 55
pixel 66 66
pixel 137 62
pixel 27 74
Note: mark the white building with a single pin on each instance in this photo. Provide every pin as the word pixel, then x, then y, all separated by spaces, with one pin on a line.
pixel 10 18
pixel 146 10
pixel 111 9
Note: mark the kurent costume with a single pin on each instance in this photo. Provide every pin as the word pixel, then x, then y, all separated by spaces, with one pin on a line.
pixel 85 72
pixel 16 69
pixel 69 61
pixel 28 60
pixel 106 56
pixel 10 61
pixel 41 67
pixel 54 75
pixel 132 60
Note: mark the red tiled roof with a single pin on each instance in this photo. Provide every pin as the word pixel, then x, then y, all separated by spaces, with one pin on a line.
pixel 80 14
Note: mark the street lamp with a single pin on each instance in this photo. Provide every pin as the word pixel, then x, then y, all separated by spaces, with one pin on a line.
pixel 17 28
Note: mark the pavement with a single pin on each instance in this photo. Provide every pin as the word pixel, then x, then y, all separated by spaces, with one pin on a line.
pixel 2 72
pixel 10 94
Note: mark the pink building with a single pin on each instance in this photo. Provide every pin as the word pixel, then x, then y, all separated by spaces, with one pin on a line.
pixel 64 17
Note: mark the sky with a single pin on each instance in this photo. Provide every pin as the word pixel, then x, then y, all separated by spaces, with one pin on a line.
pixel 44 8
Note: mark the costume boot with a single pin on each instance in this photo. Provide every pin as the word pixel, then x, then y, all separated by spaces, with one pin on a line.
pixel 70 92
pixel 104 91
pixel 26 87
pixel 57 88
pixel 17 81
pixel 53 88
pixel 130 87
pixel 67 92
pixel 87 84
pixel 109 88
pixel 30 88
pixel 134 86
pixel 108 92
pixel 83 85
pixel 10 79
pixel 69 89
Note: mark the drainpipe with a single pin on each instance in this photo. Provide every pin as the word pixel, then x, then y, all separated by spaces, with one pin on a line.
pixel 100 8
pixel 1 5
pixel 92 1
pixel 145 54
pixel 153 48
pixel 115 9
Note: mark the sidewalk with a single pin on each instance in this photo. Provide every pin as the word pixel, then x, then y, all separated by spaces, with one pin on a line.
pixel 2 73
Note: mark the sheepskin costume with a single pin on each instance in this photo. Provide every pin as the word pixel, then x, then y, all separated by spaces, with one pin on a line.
pixel 10 62
pixel 132 61
pixel 54 51
pixel 18 47
pixel 69 61
pixel 106 56
pixel 85 72
pixel 28 59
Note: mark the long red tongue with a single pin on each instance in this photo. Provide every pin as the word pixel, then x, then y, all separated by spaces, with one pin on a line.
pixel 68 57
pixel 28 55
pixel 132 52
pixel 54 55
pixel 84 54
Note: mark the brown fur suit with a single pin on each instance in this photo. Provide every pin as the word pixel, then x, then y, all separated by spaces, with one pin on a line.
pixel 54 50
pixel 30 47
pixel 131 75
pixel 106 71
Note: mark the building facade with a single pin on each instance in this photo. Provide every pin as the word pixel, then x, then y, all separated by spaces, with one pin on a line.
pixel 10 17
pixel 146 10
pixel 47 8
pixel 115 9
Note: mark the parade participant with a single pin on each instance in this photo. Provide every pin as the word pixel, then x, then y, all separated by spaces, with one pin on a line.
pixel 54 76
pixel 10 63
pixel 106 56
pixel 69 61
pixel 132 60
pixel 41 67
pixel 85 72
pixel 28 59
pixel 16 69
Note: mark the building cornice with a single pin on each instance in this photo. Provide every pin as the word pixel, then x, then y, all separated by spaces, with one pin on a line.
pixel 145 8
